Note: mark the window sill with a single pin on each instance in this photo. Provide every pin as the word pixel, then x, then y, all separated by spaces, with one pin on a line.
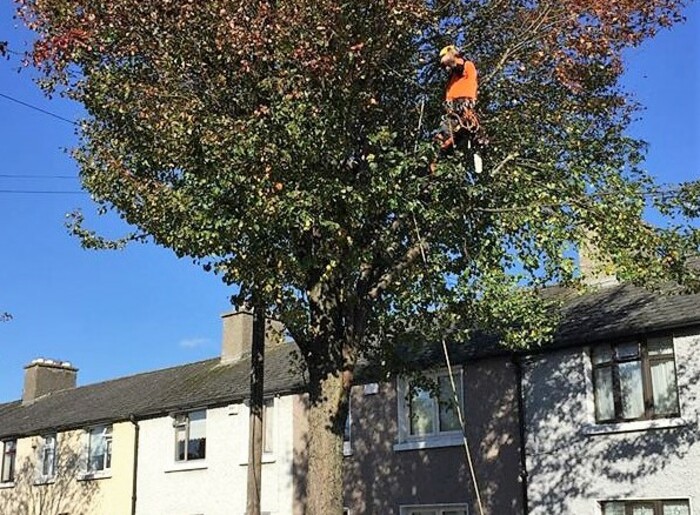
pixel 433 442
pixel 187 466
pixel 44 481
pixel 266 459
pixel 7 485
pixel 637 425
pixel 94 476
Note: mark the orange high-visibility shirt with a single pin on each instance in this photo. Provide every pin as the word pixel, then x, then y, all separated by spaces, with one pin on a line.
pixel 462 85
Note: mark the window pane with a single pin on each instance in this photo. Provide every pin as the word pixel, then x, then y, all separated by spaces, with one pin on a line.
pixel 97 450
pixel 627 350
pixel 449 419
pixel 180 443
pixel 8 461
pixel 645 509
pixel 454 512
pixel 422 413
pixel 614 508
pixel 676 508
pixel 602 354
pixel 268 425
pixel 660 345
pixel 631 389
pixel 196 447
pixel 663 385
pixel 604 400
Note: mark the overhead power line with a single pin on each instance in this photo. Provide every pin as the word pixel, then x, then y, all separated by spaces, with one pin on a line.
pixel 39 109
pixel 42 192
pixel 36 176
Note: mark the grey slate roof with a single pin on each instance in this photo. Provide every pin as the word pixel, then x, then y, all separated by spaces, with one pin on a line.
pixel 205 383
pixel 612 312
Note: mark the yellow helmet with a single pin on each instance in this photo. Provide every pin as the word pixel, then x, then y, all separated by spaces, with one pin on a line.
pixel 448 48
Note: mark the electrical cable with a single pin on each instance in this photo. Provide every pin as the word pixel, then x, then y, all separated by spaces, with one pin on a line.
pixel 39 109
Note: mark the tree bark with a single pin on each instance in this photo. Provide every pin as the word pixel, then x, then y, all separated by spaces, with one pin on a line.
pixel 257 372
pixel 327 413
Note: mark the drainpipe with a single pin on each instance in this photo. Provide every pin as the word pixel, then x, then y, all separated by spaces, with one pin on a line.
pixel 134 484
pixel 517 360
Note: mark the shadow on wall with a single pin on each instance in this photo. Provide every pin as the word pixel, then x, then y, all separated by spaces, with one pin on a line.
pixel 567 464
pixel 63 494
pixel 379 479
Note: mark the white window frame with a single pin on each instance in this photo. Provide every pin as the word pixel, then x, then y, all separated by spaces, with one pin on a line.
pixel 269 411
pixel 48 444
pixel 183 420
pixel 439 438
pixel 107 433
pixel 5 453
pixel 347 443
pixel 439 508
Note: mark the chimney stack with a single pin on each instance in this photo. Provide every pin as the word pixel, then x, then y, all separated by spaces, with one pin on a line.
pixel 44 376
pixel 595 269
pixel 237 336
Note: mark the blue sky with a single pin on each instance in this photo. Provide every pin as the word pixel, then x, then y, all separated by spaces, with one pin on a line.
pixel 117 313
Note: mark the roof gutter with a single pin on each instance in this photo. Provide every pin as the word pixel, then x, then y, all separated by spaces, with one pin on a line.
pixel 134 477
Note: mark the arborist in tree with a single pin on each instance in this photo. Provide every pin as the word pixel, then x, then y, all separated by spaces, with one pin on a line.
pixel 460 122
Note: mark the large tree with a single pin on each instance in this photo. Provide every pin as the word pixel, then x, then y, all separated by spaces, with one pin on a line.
pixel 285 144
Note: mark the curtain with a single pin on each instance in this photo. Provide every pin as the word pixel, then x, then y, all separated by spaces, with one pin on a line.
pixel 663 384
pixel 632 390
pixel 604 402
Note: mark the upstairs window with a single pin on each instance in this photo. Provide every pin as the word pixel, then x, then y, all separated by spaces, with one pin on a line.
pixel 99 450
pixel 268 426
pixel 47 457
pixel 9 454
pixel 430 412
pixel 635 381
pixel 190 436
pixel 669 507
pixel 435 510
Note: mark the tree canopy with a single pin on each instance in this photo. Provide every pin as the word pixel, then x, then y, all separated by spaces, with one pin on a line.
pixel 285 145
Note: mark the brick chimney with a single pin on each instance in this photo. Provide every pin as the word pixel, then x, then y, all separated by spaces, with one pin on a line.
pixel 237 335
pixel 43 376
pixel 596 270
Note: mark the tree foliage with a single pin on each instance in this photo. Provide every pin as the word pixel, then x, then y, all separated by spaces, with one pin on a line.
pixel 282 144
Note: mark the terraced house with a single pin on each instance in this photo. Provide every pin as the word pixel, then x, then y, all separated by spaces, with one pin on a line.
pixel 603 421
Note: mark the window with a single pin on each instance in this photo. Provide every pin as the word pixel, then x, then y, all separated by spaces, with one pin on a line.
pixel 435 510
pixel 635 381
pixel 9 454
pixel 99 449
pixel 47 457
pixel 670 507
pixel 347 443
pixel 428 412
pixel 190 436
pixel 268 426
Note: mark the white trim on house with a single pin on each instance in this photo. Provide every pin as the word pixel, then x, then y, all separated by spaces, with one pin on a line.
pixel 406 441
pixel 405 509
pixel 598 503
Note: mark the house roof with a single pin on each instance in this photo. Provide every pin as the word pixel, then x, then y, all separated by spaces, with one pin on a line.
pixel 205 383
pixel 610 313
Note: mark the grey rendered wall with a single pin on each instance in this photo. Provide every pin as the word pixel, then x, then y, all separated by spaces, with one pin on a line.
pixel 379 479
pixel 571 469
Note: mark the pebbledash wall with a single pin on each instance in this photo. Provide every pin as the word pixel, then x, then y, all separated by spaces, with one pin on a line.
pixel 216 485
pixel 574 464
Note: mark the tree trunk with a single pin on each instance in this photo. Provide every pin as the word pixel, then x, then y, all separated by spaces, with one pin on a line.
pixel 327 413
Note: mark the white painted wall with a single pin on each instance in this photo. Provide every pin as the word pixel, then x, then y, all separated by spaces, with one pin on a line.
pixel 572 466
pixel 216 485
